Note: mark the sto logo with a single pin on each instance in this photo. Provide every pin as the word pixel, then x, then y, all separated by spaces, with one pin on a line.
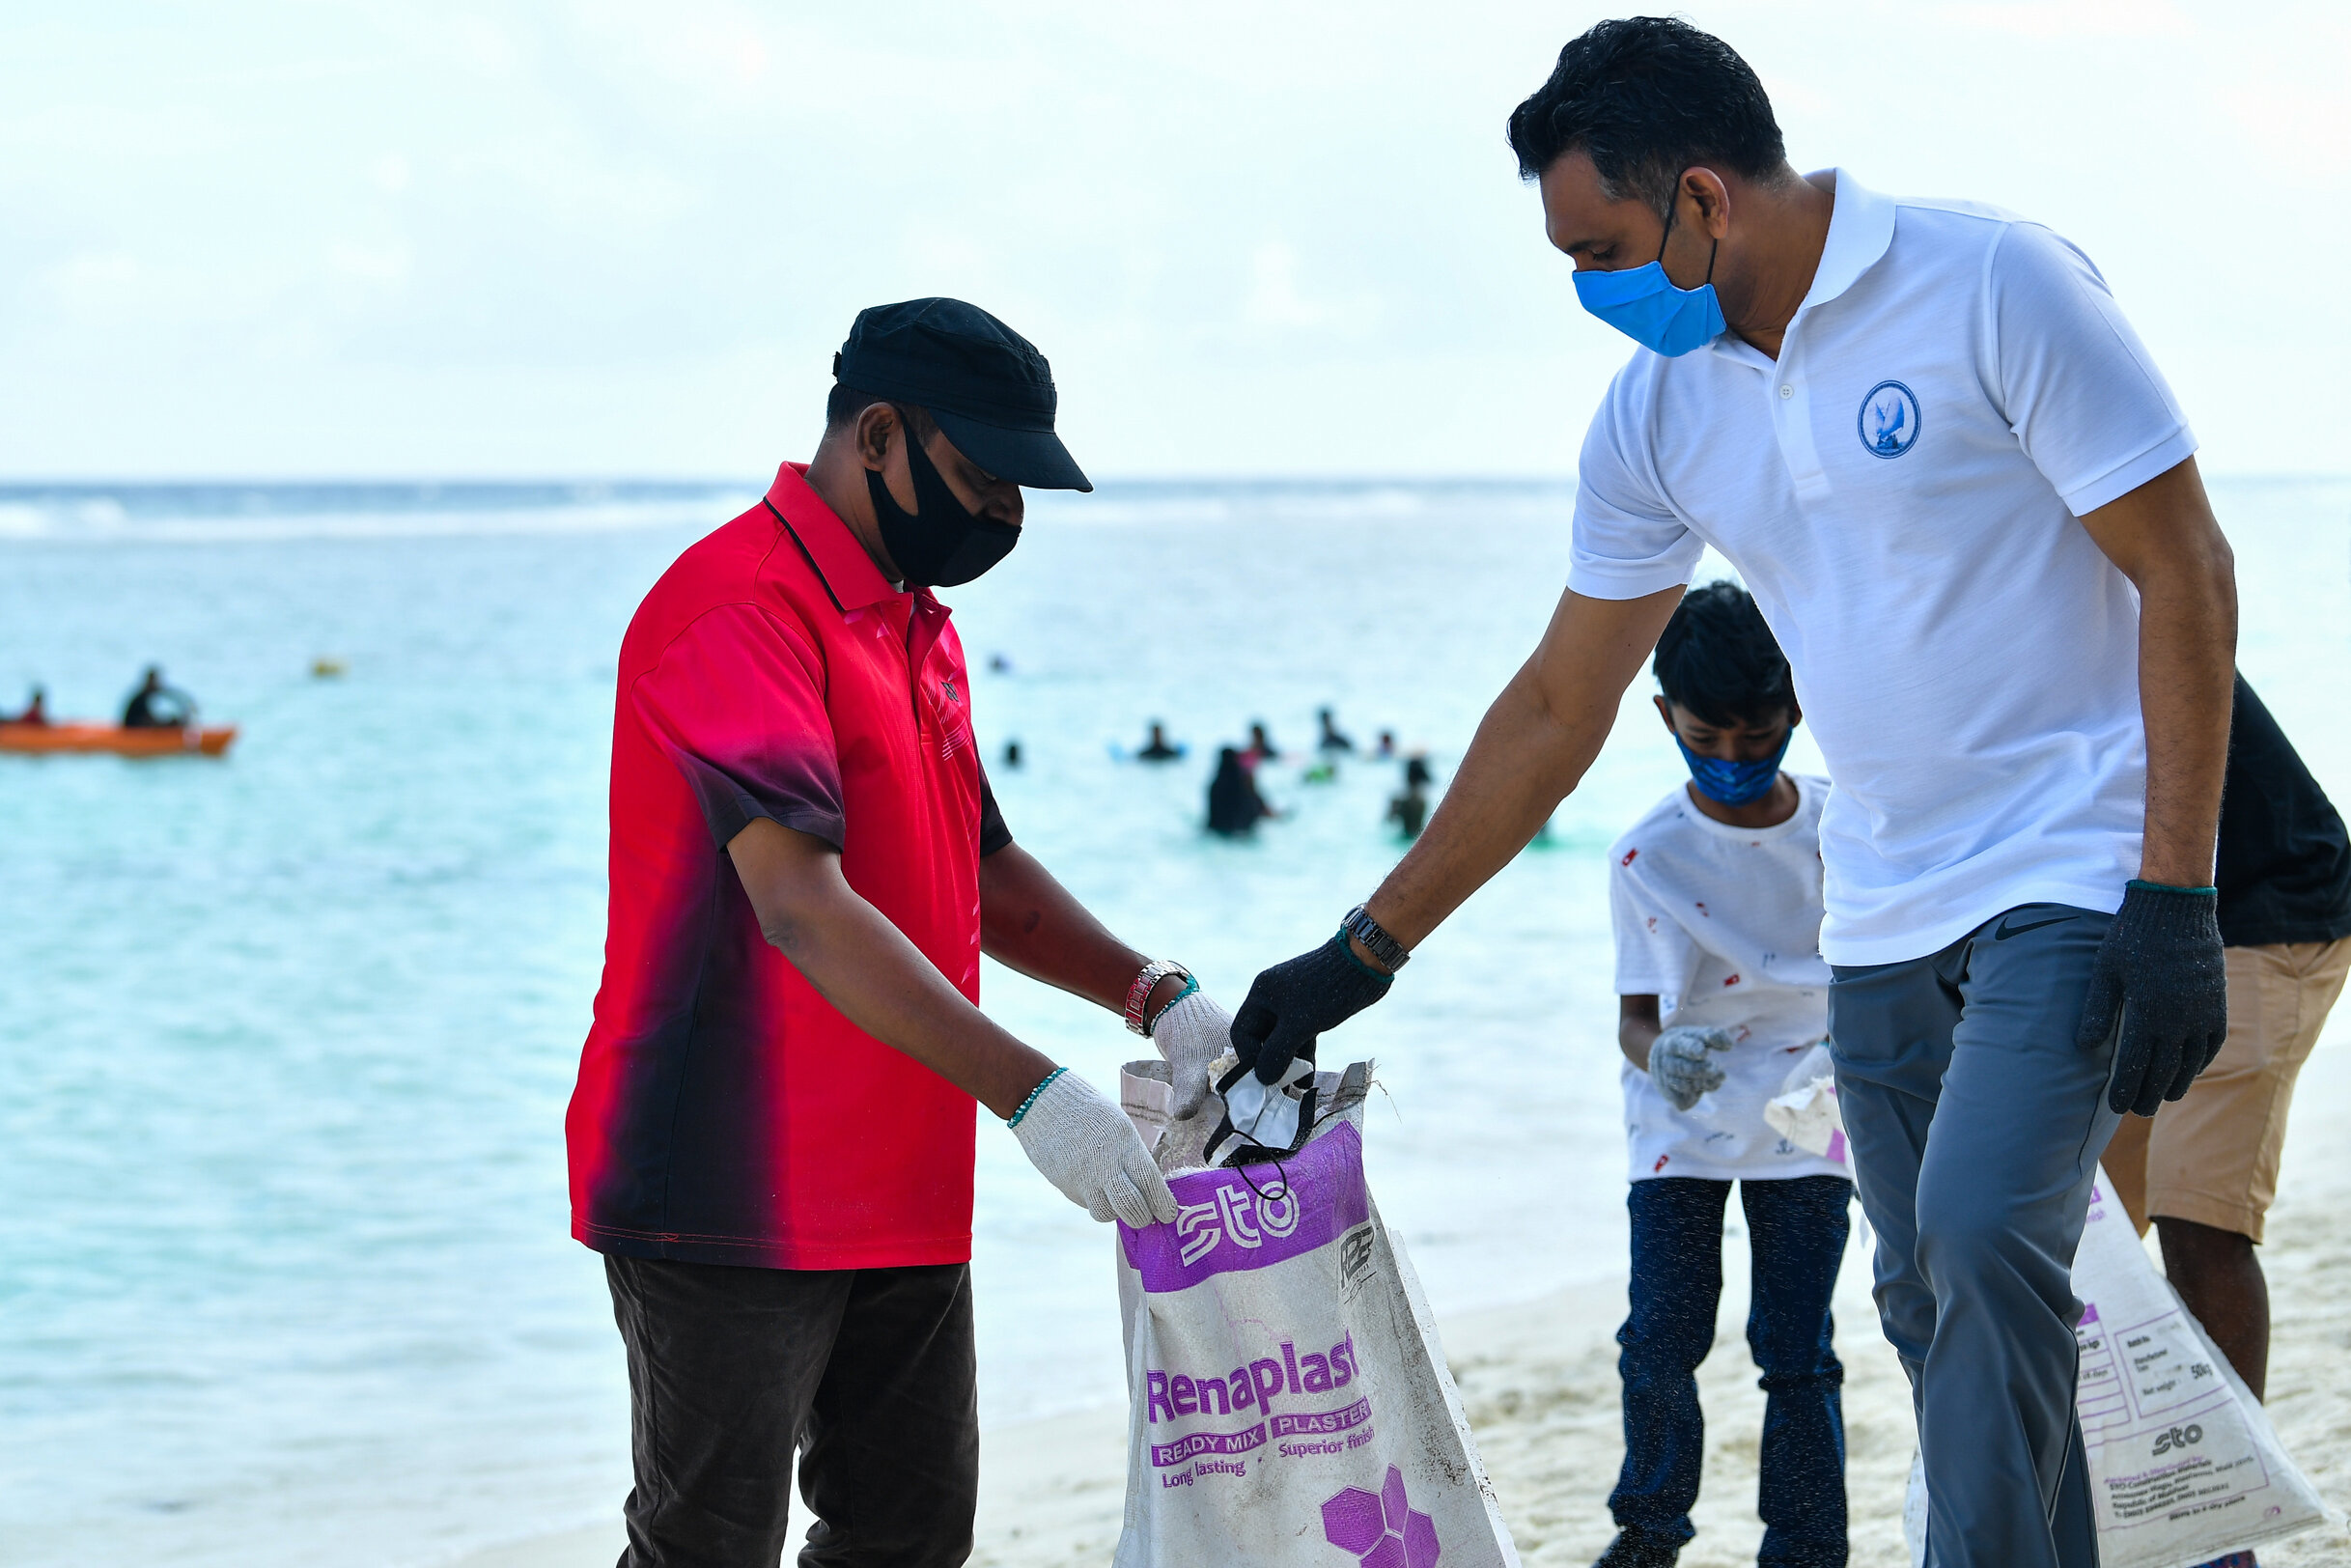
pixel 1381 1527
pixel 1889 420
pixel 1236 1213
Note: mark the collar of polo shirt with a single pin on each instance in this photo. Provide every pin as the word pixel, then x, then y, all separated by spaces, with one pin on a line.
pixel 1861 227
pixel 848 573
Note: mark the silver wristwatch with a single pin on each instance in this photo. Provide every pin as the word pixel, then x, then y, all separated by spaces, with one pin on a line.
pixel 1138 995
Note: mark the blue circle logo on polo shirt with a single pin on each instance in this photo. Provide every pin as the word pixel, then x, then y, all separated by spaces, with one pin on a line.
pixel 1889 420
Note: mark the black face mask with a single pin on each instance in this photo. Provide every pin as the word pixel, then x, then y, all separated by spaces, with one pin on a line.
pixel 938 545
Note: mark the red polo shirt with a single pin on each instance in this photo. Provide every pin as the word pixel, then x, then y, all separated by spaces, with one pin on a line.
pixel 725 1113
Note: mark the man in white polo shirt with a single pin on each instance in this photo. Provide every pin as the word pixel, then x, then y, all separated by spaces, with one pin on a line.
pixel 1963 496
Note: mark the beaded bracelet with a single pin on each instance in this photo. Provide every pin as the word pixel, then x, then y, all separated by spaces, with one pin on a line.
pixel 1190 986
pixel 1044 1085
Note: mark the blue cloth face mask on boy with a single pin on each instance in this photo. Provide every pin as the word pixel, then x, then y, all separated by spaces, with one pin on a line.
pixel 1647 306
pixel 1734 783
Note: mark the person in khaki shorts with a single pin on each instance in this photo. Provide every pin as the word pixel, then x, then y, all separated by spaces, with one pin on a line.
pixel 2205 1167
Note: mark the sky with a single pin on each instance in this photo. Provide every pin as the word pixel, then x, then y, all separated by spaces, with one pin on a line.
pixel 405 239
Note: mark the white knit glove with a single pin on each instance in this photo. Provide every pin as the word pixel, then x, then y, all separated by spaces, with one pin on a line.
pixel 1085 1145
pixel 1678 1063
pixel 1190 1034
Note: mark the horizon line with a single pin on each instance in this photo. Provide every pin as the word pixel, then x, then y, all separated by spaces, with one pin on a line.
pixel 15 484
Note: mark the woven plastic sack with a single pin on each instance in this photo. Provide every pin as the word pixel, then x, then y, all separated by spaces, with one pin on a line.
pixel 1289 1405
pixel 2184 1466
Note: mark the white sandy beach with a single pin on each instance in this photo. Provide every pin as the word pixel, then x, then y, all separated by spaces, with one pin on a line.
pixel 1539 1382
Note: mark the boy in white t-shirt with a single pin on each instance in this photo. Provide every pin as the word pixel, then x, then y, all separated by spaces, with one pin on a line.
pixel 1716 899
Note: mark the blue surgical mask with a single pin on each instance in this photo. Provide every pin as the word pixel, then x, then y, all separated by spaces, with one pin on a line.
pixel 1734 783
pixel 1647 306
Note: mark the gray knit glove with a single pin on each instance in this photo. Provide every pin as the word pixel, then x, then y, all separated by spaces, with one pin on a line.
pixel 2160 971
pixel 1189 1034
pixel 1681 1065
pixel 1085 1145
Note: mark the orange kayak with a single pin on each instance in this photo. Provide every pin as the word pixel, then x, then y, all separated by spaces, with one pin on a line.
pixel 121 742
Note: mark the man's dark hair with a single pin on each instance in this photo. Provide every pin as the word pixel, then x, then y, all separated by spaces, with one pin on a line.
pixel 1718 660
pixel 846 402
pixel 1648 98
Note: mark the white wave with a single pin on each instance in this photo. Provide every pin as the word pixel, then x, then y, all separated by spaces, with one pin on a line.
pixel 87 523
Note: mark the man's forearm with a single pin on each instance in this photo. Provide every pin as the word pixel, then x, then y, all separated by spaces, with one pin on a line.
pixel 866 968
pixel 881 982
pixel 2164 536
pixel 1029 922
pixel 1531 748
pixel 2186 663
pixel 1525 758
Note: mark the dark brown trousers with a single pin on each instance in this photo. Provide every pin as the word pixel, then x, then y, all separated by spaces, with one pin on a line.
pixel 868 1373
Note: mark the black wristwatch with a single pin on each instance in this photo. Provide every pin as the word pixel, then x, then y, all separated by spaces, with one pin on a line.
pixel 1390 952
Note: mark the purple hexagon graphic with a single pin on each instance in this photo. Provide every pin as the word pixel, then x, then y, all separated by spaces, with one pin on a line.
pixel 1419 1540
pixel 1352 1521
pixel 1381 1528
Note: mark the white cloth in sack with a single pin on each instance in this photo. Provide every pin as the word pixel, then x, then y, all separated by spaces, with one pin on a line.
pixel 1288 1402
pixel 1806 1113
pixel 2184 1466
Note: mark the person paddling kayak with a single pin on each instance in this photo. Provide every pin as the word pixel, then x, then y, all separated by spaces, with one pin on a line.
pixel 156 705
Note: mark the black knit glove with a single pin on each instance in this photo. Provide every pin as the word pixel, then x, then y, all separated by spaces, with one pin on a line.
pixel 2160 968
pixel 1290 1004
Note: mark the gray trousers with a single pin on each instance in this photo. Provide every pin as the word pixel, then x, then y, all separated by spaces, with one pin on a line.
pixel 1976 1125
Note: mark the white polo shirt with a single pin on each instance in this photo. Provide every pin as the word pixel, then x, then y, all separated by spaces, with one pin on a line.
pixel 1899 492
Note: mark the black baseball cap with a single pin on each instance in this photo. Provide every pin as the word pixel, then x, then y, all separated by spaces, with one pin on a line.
pixel 987 385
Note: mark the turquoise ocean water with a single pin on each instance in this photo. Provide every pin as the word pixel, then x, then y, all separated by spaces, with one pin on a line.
pixel 285 1040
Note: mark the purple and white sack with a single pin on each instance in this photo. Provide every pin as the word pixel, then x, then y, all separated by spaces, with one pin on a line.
pixel 1288 1403
pixel 2184 1466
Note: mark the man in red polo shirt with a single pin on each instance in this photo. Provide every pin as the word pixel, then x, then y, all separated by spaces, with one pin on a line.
pixel 772 1133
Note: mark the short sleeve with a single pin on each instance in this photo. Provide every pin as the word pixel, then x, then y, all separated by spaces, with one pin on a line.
pixel 2081 391
pixel 1627 542
pixel 993 834
pixel 737 701
pixel 1654 954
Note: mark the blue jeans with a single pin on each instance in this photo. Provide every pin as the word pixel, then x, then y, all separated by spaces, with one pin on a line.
pixel 1796 1237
